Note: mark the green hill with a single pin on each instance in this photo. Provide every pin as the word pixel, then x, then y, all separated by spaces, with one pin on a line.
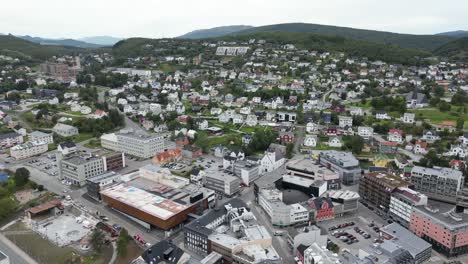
pixel 17 47
pixel 373 51
pixel 214 32
pixel 424 42
pixel 455 50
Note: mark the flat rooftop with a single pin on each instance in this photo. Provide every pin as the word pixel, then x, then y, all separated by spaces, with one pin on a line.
pixel 388 179
pixel 145 201
pixel 443 213
pixel 343 194
pixel 405 239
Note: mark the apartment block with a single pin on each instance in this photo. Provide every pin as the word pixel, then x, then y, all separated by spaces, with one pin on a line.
pixel 344 163
pixel 141 146
pixel 28 149
pixel 437 183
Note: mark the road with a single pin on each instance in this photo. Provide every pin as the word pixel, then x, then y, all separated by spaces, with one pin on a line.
pixel 279 242
pixel 16 255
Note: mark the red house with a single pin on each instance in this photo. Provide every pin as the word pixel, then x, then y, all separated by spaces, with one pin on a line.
pixel 167 156
pixel 322 208
pixel 286 137
pixel 331 131
pixel 183 119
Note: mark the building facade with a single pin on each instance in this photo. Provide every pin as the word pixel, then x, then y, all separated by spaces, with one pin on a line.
pixel 141 146
pixel 437 183
pixel 28 149
pixel 344 163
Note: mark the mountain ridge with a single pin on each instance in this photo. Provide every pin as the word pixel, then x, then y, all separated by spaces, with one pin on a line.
pixel 213 32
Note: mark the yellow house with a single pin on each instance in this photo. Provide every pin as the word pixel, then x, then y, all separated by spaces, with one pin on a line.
pixel 381 160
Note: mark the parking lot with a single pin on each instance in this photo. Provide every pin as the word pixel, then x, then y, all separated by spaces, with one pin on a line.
pixel 46 164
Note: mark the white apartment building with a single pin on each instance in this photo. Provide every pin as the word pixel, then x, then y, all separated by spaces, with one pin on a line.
pixel 142 146
pixel 28 149
pixel 281 214
pixel 402 202
pixel 41 136
pixel 65 130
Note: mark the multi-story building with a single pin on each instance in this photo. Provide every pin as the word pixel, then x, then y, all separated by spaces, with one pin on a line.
pixel 377 188
pixel 365 132
pixel 402 202
pixel 232 231
pixel 317 254
pixel 98 183
pixel 247 172
pixel 229 185
pixel 142 146
pixel 443 226
pixel 10 139
pixel 65 130
pixel 41 136
pixel 437 183
pixel 77 169
pixel 281 214
pixel 28 149
pixel 344 163
pixel 313 170
pixel 344 202
pixel 113 161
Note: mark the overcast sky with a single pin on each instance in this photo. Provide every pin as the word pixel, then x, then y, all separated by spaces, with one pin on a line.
pixel 170 18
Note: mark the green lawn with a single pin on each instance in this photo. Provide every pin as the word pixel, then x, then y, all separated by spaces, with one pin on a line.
pixel 93 144
pixel 82 137
pixel 437 117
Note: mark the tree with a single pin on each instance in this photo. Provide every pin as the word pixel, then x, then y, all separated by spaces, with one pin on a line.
pixel 21 176
pixel 355 143
pixel 460 123
pixel 122 242
pixel 444 106
pixel 97 239
pixel 289 150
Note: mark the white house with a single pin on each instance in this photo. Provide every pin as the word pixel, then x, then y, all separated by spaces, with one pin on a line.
pixel 216 111
pixel 430 136
pixel 365 132
pixel 345 121
pixel 310 141
pixel 395 135
pixel 335 142
pixel 311 127
pixel 251 120
pixel 457 151
pixel 408 118
pixel 356 111
pixel 202 124
pixel 271 160
pixel 381 115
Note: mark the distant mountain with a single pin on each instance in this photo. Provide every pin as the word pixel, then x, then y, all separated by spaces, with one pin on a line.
pixel 101 40
pixel 18 47
pixel 214 32
pixel 456 34
pixel 424 42
pixel 455 50
pixel 60 42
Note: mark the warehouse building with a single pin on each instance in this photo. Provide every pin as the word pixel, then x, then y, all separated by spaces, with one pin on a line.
pixel 156 198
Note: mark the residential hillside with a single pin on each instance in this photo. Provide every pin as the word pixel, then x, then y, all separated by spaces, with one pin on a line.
pixel 214 32
pixel 455 50
pixel 17 47
pixel 424 42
